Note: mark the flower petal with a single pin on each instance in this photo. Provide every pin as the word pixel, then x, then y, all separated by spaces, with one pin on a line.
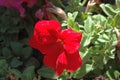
pixel 60 68
pixel 74 62
pixel 33 42
pixel 47 31
pixel 45 36
pixel 61 63
pixel 71 40
pixel 51 54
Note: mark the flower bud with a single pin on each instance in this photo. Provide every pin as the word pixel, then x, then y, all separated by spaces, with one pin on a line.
pixel 58 11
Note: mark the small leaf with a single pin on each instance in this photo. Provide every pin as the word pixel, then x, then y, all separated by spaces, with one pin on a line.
pixel 70 15
pixel 47 72
pixel 26 52
pixel 109 74
pixel 115 20
pixel 102 40
pixel 86 68
pixel 105 36
pixel 116 74
pixel 28 73
pixel 6 52
pixel 15 63
pixel 86 40
pixel 109 9
pixel 32 62
pixel 75 15
pixel 88 25
pixel 16 47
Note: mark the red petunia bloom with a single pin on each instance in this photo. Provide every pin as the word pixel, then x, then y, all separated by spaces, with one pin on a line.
pixel 60 47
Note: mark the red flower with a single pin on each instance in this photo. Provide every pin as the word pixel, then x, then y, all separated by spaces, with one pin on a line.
pixel 60 47
pixel 17 4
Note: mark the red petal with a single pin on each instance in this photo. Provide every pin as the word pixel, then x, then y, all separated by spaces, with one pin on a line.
pixel 61 63
pixel 74 62
pixel 52 53
pixel 33 42
pixel 45 36
pixel 60 68
pixel 44 33
pixel 47 31
pixel 71 40
pixel 48 24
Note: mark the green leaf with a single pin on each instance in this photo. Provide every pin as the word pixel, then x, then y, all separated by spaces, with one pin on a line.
pixel 16 72
pixel 47 72
pixel 32 62
pixel 75 15
pixel 116 74
pixel 72 16
pixel 109 9
pixel 85 56
pixel 88 23
pixel 16 48
pixel 102 40
pixel 70 23
pixel 26 52
pixel 98 60
pixel 115 20
pixel 86 40
pixel 99 19
pixel 105 36
pixel 109 74
pixel 86 68
pixel 28 73
pixel 6 52
pixel 15 63
pixel 3 67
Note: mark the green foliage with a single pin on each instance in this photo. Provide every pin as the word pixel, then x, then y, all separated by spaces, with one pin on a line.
pixel 16 72
pixel 84 70
pixel 47 72
pixel 3 67
pixel 15 54
pixel 6 52
pixel 15 62
pixel 97 46
pixel 28 73
pixel 109 10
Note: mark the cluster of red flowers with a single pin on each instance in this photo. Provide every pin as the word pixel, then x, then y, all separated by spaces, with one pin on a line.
pixel 60 47
pixel 17 4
